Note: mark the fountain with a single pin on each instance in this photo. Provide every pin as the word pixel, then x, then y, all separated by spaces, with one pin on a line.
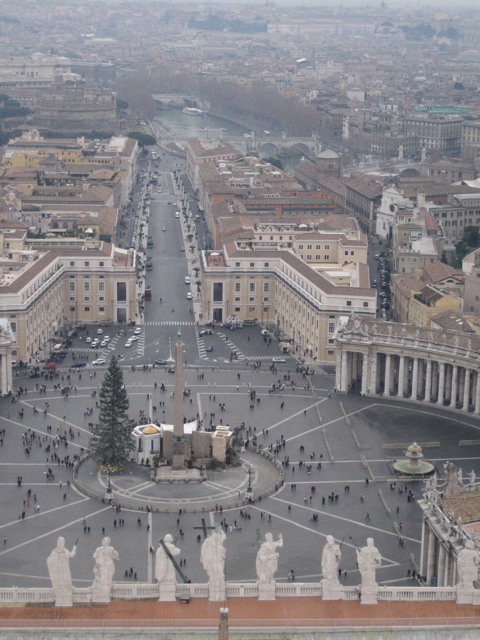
pixel 414 465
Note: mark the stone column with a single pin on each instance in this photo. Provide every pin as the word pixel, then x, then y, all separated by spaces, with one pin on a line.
pixel 338 370
pixel 466 390
pixel 421 377
pixel 388 365
pixel 9 372
pixel 401 376
pixel 431 556
pixel 415 379
pixel 441 383
pixel 477 395
pixel 453 401
pixel 441 566
pixel 365 380
pixel 4 381
pixel 373 376
pixel 448 383
pixel 428 382
pixel 343 382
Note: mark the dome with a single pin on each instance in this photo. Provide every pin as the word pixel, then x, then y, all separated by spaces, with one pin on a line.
pixel 149 430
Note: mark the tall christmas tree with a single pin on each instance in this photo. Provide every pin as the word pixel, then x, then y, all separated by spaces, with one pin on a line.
pixel 110 442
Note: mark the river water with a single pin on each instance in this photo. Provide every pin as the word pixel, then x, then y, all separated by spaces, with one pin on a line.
pixel 182 125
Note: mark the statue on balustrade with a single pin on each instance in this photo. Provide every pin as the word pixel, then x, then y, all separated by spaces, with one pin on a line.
pixel 331 557
pixel 105 557
pixel 267 559
pixel 58 563
pixel 213 560
pixel 369 559
pixel 165 569
pixel 468 562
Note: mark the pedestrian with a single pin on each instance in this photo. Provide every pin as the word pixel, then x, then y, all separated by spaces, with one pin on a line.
pixel 367 517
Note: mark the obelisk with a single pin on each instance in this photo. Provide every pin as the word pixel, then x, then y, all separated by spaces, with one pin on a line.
pixel 178 441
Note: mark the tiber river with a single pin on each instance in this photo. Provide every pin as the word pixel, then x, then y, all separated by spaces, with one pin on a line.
pixel 185 126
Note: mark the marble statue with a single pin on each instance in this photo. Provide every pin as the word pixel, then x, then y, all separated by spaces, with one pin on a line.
pixel 369 559
pixel 267 559
pixel 331 556
pixel 460 476
pixel 468 562
pixel 105 557
pixel 472 477
pixel 212 558
pixel 165 569
pixel 58 563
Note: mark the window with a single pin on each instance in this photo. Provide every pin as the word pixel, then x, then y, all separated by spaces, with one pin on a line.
pixel 87 263
pixel 251 299
pixel 71 285
pixel 346 253
pixel 252 264
pixel 365 304
pixel 218 291
pixel 331 327
pixel 237 264
pixel 300 246
pixel 86 298
pixel 266 299
pixel 266 287
pixel 101 286
pixel 349 303
pixel 121 291
pixel 237 308
pixel 238 287
pixel 102 264
pixel 251 309
pixel 331 341
pixel 317 256
pixel 14 326
pixel 327 247
pixel 309 247
pixel 267 264
pixel 327 257
pixel 101 298
pixel 72 264
pixel 72 308
pixel 251 287
pixel 101 309
pixel 330 352
pixel 237 299
pixel 87 308
pixel 86 286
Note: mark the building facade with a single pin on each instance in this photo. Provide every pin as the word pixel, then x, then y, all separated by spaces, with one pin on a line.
pixel 420 364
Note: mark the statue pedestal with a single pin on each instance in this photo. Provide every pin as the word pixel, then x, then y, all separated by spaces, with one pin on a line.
pixel 368 595
pixel 167 592
pixel 331 590
pixel 101 593
pixel 216 591
pixel 266 590
pixel 465 596
pixel 64 598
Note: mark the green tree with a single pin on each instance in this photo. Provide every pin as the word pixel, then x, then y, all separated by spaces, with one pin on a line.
pixel 110 442
pixel 144 139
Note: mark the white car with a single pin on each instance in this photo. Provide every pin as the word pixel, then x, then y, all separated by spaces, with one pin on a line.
pixel 278 359
pixel 137 331
pixel 107 338
pixel 94 343
pixel 88 340
pixel 99 331
pixel 133 339
pixel 189 295
pixel 99 361
pixel 104 343
pixel 128 344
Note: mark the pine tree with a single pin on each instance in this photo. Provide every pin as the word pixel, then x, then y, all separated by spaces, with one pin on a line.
pixel 110 443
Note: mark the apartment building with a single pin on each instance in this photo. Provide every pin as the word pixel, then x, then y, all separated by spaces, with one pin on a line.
pixel 280 290
pixel 430 301
pixel 440 133
pixel 462 211
pixel 45 288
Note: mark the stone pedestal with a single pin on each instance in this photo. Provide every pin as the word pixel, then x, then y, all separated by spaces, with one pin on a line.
pixel 465 596
pixel 369 595
pixel 266 590
pixel 64 598
pixel 101 593
pixel 167 592
pixel 331 590
pixel 216 590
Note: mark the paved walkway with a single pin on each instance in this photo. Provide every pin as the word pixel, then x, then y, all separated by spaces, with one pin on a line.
pixel 133 488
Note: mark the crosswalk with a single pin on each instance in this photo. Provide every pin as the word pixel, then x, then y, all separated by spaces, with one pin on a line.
pixel 232 347
pixel 254 358
pixel 175 323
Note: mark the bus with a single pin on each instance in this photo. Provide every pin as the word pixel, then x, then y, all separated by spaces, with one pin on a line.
pixel 148 293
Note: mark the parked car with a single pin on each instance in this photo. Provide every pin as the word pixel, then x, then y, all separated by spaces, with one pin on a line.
pixel 138 330
pixel 189 295
pixel 79 365
pixel 88 340
pixel 99 361
pixel 160 361
pixel 205 332
pixel 209 348
pixel 99 331
pixel 278 359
